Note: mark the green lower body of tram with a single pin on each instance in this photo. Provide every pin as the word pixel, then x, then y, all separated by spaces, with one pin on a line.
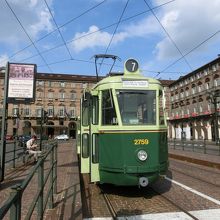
pixel 118 157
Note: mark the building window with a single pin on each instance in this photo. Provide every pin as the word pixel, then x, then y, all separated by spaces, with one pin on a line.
pixel 199 88
pixel 50 84
pixel 207 85
pixel 62 84
pixel 61 111
pixel 38 112
pixel 15 110
pixel 182 95
pixel 40 83
pixel 39 95
pixel 200 108
pixel 214 67
pixel 50 110
pixel 73 96
pixel 216 82
pixel 26 110
pixel 206 72
pixel 194 109
pixel 72 112
pixel 62 95
pixel 50 95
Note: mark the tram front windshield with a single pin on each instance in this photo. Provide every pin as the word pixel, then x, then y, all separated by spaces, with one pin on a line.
pixel 137 107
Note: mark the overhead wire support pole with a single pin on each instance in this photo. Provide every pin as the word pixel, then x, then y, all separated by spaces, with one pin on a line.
pixel 4 127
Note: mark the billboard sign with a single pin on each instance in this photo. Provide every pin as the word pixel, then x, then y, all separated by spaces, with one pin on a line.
pixel 21 82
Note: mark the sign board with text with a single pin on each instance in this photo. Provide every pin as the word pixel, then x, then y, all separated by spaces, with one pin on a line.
pixel 21 82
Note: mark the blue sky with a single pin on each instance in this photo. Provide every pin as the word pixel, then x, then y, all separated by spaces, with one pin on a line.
pixel 170 37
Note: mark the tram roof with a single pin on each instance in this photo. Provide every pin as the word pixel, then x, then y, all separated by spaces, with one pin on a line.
pixel 111 79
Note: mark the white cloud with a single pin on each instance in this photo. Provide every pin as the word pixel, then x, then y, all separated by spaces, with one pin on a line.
pixel 188 23
pixel 142 28
pixel 33 15
pixel 95 38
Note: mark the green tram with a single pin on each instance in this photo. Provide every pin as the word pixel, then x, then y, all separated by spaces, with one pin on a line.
pixel 123 131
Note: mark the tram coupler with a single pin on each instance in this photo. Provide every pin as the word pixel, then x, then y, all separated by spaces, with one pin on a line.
pixel 143 181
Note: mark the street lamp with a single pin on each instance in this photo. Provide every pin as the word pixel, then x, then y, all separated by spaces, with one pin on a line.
pixel 213 97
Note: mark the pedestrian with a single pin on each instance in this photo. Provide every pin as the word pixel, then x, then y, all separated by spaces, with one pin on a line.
pixel 32 147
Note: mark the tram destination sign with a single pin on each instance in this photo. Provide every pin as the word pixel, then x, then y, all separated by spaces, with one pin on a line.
pixel 21 82
pixel 136 83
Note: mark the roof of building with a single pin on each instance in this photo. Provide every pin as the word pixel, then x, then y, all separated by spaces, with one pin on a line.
pixel 217 60
pixel 76 78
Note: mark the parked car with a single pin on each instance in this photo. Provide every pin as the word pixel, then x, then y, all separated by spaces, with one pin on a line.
pixel 62 137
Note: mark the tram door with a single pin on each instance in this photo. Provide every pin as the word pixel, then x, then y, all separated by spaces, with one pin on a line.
pixel 84 139
pixel 94 139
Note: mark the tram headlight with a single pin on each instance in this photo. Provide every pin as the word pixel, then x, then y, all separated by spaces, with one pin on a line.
pixel 142 155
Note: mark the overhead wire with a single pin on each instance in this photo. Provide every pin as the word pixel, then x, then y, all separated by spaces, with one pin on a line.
pixel 58 29
pixel 63 25
pixel 193 49
pixel 80 60
pixel 23 28
pixel 101 29
pixel 171 39
pixel 115 30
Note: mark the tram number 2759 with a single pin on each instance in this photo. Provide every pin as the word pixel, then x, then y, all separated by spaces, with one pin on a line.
pixel 141 141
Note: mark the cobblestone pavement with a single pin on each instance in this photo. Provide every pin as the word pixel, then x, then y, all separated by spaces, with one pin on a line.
pixel 163 197
pixel 68 199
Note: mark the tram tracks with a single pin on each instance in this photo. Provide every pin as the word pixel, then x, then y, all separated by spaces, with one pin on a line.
pixel 194 177
pixel 109 205
pixel 109 201
pixel 176 205
pixel 114 214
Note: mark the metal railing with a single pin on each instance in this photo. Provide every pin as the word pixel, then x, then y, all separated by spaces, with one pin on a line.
pixel 45 174
pixel 15 151
pixel 200 146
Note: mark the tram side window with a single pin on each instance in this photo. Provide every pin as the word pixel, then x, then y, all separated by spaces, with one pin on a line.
pixel 85 145
pixel 108 109
pixel 85 113
pixel 95 110
pixel 95 148
pixel 161 108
